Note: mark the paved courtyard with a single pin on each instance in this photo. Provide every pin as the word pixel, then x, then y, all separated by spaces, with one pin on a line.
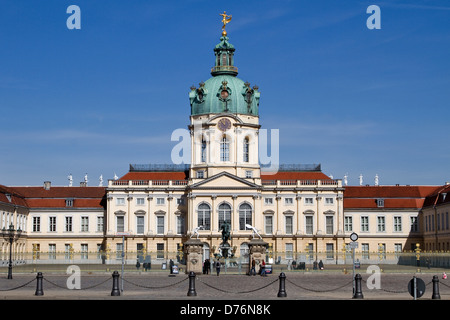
pixel 317 285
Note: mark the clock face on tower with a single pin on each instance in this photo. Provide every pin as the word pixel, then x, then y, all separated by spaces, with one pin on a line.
pixel 224 124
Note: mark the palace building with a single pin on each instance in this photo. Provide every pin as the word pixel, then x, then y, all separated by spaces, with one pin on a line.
pixel 157 208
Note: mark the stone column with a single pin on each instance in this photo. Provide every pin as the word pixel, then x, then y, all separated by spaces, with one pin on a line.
pixel 257 251
pixel 193 250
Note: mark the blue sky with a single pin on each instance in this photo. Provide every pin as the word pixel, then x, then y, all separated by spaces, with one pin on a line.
pixel 94 100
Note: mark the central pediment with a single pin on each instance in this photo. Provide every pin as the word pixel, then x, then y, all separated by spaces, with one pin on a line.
pixel 224 180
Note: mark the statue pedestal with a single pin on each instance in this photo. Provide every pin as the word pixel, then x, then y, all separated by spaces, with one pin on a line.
pixel 257 251
pixel 193 249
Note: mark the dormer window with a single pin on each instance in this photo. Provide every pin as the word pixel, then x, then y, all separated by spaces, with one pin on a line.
pixel 8 196
pixel 380 203
pixel 69 202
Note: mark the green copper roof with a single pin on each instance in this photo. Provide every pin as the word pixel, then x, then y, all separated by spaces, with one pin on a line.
pixel 224 92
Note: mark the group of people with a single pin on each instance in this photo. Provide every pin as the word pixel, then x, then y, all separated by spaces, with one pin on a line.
pixel 208 265
pixel 262 268
pixel 146 265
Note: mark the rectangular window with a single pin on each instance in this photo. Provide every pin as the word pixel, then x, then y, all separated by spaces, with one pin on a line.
pixel 36 224
pixel 246 150
pixel 329 201
pixel 160 201
pixel 309 201
pixel 364 224
pixel 119 250
pixel 268 201
pixel 52 251
pixel 120 224
pixel 309 224
pixel 329 220
pixel 160 224
pixel 268 224
pixel 68 251
pixel 140 201
pixel 203 151
pixel 348 223
pixel 100 223
pixel 310 251
pixel 180 224
pixel 224 149
pixel 180 201
pixel 68 226
pixel 84 224
pixel 160 251
pixel 52 224
pixel 397 224
pixel 381 225
pixel 397 248
pixel 382 250
pixel 365 250
pixel 289 221
pixel 140 224
pixel 200 174
pixel 120 201
pixel 330 251
pixel 248 173
pixel 414 224
pixel 289 250
pixel 288 201
pixel 84 251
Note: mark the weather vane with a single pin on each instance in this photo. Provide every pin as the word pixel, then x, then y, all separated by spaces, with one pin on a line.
pixel 225 19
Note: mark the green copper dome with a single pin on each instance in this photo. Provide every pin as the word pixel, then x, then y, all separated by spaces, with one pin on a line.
pixel 224 92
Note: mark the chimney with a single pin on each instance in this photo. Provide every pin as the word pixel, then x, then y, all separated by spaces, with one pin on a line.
pixel 47 185
pixel 83 184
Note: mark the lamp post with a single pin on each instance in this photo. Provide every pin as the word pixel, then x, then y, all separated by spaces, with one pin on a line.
pixel 11 235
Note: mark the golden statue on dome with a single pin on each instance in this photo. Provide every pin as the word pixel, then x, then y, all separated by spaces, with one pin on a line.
pixel 225 19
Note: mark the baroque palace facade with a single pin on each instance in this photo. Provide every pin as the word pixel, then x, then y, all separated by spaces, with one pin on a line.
pixel 156 208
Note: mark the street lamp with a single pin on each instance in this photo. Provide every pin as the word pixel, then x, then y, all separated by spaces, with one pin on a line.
pixel 11 235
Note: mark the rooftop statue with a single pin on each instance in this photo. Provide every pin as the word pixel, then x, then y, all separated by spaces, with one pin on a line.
pixel 225 19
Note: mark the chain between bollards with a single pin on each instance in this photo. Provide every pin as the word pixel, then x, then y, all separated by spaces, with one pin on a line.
pixel 191 291
pixel 282 289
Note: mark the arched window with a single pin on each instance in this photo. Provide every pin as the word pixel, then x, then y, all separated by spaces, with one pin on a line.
pixel 245 215
pixel 246 150
pixel 224 149
pixel 224 214
pixel 204 216
pixel 203 150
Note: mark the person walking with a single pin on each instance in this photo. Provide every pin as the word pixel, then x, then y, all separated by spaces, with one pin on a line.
pixel 207 266
pixel 253 270
pixel 263 268
pixel 217 267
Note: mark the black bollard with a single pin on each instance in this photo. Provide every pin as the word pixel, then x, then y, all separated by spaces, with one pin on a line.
pixel 115 289
pixel 358 292
pixel 282 290
pixel 39 288
pixel 192 291
pixel 436 294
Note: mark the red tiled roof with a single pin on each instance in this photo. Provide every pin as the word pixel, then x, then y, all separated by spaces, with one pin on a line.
pixel 437 197
pixel 394 196
pixel 55 197
pixel 15 198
